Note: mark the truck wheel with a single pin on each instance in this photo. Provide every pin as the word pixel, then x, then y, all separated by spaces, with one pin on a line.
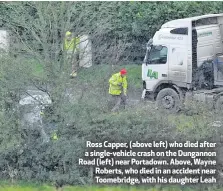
pixel 168 99
pixel 219 104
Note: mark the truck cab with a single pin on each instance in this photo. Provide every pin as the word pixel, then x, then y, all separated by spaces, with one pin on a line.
pixel 175 54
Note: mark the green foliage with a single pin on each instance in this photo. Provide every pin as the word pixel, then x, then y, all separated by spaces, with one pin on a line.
pixel 45 187
pixel 119 31
pixel 37 187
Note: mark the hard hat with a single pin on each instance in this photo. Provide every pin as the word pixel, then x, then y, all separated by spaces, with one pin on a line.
pixel 68 33
pixel 123 71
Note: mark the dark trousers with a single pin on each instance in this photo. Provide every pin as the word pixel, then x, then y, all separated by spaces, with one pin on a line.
pixel 117 101
pixel 73 58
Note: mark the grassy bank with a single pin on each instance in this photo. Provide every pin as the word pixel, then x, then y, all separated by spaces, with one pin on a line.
pixel 89 119
pixel 37 187
pixel 31 186
pixel 100 74
pixel 94 75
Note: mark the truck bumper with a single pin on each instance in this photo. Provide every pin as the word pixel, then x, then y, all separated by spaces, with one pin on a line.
pixel 143 94
pixel 146 94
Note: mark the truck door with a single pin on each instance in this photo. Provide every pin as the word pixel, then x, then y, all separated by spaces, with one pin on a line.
pixel 155 68
pixel 178 64
pixel 218 71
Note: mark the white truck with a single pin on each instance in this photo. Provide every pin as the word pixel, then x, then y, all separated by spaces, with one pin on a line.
pixel 4 41
pixel 185 59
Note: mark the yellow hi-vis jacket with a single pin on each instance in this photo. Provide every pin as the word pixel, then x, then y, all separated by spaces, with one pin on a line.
pixel 118 84
pixel 54 136
pixel 71 45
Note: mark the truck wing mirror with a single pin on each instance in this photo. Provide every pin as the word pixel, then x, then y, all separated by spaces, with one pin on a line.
pixel 159 47
pixel 148 49
pixel 149 43
pixel 147 46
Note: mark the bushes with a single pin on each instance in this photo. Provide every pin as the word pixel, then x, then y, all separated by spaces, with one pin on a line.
pixel 88 119
pixel 36 187
pixel 119 31
pixel 57 161
pixel 117 37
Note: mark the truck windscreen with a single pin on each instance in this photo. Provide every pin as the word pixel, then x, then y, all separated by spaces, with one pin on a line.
pixel 157 55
